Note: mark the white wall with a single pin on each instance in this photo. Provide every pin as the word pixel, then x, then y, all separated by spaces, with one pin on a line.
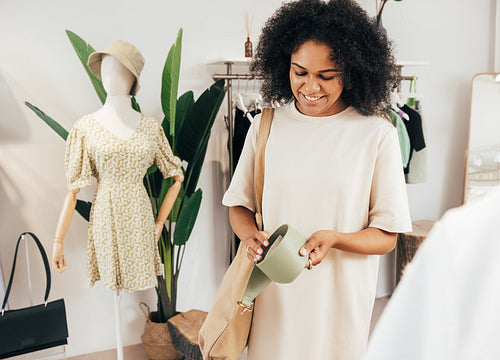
pixel 38 64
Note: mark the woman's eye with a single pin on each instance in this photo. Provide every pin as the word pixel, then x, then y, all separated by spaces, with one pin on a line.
pixel 300 74
pixel 328 77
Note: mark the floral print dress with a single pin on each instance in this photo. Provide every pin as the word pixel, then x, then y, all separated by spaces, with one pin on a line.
pixel 122 250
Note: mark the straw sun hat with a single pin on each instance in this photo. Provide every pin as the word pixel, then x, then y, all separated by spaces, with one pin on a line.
pixel 125 53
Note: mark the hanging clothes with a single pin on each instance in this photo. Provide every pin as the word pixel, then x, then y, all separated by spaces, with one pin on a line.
pixel 404 139
pixel 416 171
pixel 241 125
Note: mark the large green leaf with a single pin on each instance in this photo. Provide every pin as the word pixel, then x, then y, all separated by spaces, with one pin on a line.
pixel 199 121
pixel 83 50
pixel 194 171
pixel 62 132
pixel 184 103
pixel 187 218
pixel 192 139
pixel 170 82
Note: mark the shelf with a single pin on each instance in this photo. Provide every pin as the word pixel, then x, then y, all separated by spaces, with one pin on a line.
pixel 238 61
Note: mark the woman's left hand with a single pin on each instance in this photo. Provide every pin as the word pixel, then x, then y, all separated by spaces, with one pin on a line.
pixel 318 245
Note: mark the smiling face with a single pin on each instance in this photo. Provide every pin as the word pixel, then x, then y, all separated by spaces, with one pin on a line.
pixel 315 80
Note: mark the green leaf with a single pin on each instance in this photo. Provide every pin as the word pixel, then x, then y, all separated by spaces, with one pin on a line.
pixel 83 208
pixel 170 82
pixel 187 218
pixel 62 132
pixel 184 103
pixel 194 171
pixel 83 50
pixel 152 169
pixel 135 104
pixel 166 255
pixel 192 139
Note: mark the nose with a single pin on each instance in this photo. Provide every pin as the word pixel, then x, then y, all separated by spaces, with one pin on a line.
pixel 311 85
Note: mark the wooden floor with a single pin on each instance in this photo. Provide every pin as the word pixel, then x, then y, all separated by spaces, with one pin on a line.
pixel 136 352
pixel 133 352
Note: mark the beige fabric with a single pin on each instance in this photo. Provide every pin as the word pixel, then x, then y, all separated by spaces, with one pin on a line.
pixel 124 52
pixel 122 249
pixel 341 172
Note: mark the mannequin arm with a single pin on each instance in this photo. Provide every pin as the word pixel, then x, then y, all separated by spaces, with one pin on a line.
pixel 58 261
pixel 168 204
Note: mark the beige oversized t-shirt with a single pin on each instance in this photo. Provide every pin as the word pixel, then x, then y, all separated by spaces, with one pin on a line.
pixel 342 173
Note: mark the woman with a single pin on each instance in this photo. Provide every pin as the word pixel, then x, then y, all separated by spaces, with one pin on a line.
pixel 333 171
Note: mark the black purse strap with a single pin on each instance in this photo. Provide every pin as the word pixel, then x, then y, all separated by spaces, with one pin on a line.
pixel 45 262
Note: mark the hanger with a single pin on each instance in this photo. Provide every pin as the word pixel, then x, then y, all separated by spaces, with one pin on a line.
pixel 396 104
pixel 240 104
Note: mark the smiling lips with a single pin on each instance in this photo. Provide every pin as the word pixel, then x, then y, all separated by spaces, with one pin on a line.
pixel 312 99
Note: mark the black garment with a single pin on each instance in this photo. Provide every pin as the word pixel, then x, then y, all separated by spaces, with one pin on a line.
pixel 241 126
pixel 415 132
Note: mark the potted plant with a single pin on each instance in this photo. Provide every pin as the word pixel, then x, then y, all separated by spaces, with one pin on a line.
pixel 187 124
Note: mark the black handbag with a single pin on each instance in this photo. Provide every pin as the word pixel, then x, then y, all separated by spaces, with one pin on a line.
pixel 36 327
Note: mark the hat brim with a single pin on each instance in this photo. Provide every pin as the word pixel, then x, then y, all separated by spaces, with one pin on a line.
pixel 94 63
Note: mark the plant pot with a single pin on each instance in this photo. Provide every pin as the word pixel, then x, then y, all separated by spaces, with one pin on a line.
pixel 156 338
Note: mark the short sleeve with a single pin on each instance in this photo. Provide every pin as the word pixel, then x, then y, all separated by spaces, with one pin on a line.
pixel 241 189
pixel 77 161
pixel 388 199
pixel 167 162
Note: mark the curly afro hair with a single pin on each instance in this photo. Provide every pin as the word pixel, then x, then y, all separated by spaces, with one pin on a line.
pixel 359 49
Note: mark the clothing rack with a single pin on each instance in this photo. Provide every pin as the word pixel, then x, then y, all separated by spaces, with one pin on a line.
pixel 230 76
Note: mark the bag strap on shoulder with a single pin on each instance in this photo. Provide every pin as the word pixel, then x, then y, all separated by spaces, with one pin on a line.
pixel 259 166
pixel 45 263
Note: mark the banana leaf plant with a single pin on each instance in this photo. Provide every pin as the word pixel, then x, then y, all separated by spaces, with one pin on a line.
pixel 187 124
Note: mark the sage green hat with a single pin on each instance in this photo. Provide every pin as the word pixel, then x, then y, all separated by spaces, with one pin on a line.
pixel 124 52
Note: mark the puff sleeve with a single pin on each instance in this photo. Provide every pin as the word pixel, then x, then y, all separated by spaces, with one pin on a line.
pixel 167 162
pixel 77 161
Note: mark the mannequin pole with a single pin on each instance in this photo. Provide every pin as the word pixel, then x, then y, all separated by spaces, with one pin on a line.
pixel 119 345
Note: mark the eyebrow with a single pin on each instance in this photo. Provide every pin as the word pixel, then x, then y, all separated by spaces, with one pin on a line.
pixel 322 71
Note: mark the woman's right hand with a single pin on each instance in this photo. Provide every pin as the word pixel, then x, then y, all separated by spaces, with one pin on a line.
pixel 58 261
pixel 254 244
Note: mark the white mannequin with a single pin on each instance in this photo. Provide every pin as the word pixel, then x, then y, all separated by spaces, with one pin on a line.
pixel 119 118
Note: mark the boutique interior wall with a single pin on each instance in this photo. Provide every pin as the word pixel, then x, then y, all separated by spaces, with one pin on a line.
pixel 38 64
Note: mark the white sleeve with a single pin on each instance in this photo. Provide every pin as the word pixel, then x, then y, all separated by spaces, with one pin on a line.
pixel 241 188
pixel 389 209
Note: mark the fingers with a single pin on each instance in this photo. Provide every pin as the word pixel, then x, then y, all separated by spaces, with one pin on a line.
pixel 317 247
pixel 254 245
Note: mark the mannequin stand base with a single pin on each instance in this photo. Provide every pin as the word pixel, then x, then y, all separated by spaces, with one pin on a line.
pixel 184 329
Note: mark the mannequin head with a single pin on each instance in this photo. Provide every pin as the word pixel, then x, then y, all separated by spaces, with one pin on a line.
pixel 116 78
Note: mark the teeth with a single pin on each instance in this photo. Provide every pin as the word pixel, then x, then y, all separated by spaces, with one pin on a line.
pixel 312 98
